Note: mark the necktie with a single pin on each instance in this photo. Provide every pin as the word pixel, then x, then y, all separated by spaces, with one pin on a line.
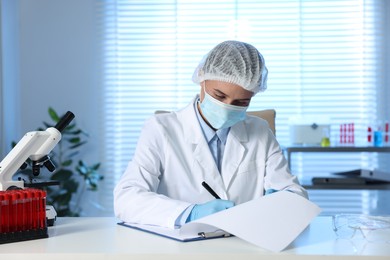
pixel 217 151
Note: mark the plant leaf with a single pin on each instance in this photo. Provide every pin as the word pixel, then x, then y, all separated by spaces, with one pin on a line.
pixel 69 127
pixel 67 162
pixel 78 145
pixel 47 125
pixel 76 132
pixel 63 198
pixel 96 166
pixel 73 154
pixel 82 169
pixel 53 114
pixel 74 140
pixel 71 186
pixel 62 175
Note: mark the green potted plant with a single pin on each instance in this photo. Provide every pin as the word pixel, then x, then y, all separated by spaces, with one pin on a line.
pixel 73 174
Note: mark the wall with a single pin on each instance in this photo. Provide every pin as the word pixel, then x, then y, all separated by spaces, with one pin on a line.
pixel 56 65
pixel 10 90
pixel 49 59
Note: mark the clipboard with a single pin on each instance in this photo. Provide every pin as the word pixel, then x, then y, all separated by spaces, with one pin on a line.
pixel 271 222
pixel 175 234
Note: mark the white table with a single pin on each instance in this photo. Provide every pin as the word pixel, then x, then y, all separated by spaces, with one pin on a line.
pixel 101 238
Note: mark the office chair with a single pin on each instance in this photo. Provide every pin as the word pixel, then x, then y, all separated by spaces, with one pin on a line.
pixel 268 114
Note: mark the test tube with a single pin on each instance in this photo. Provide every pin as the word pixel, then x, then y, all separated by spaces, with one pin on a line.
pixel 1 212
pixel 24 220
pixel 19 225
pixel 13 212
pixel 5 202
pixel 42 209
pixel 369 135
pixel 28 209
pixel 34 208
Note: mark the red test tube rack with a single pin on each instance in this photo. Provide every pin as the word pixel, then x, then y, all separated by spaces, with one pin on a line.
pixel 22 215
pixel 347 134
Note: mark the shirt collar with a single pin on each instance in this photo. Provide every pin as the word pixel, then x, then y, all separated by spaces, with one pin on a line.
pixel 207 130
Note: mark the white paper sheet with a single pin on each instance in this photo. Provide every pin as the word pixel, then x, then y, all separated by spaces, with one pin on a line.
pixel 271 222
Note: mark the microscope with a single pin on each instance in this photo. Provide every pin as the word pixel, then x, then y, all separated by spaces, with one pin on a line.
pixel 23 210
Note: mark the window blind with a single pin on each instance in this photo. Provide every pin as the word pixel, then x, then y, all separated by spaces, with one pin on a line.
pixel 323 57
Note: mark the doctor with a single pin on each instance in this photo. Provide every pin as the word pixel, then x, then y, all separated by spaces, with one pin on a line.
pixel 212 140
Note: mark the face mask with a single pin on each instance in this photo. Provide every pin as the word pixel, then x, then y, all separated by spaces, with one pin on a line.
pixel 219 114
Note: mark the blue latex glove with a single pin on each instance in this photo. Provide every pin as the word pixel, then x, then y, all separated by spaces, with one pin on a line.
pixel 208 208
pixel 270 191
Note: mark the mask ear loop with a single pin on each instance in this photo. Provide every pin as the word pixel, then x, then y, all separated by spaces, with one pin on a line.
pixel 203 87
pixel 204 90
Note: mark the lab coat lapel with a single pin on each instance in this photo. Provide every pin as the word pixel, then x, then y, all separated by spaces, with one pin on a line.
pixel 234 152
pixel 200 148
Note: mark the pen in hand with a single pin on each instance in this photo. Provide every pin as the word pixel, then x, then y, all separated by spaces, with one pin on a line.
pixel 209 189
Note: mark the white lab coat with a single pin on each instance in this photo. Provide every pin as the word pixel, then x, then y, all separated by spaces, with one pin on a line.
pixel 172 159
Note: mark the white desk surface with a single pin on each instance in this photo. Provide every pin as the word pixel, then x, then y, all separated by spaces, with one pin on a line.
pixel 101 238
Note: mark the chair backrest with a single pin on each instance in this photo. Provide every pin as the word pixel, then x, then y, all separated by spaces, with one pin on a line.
pixel 268 114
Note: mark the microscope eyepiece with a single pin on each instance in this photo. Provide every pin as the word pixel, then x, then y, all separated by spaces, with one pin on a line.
pixel 64 121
